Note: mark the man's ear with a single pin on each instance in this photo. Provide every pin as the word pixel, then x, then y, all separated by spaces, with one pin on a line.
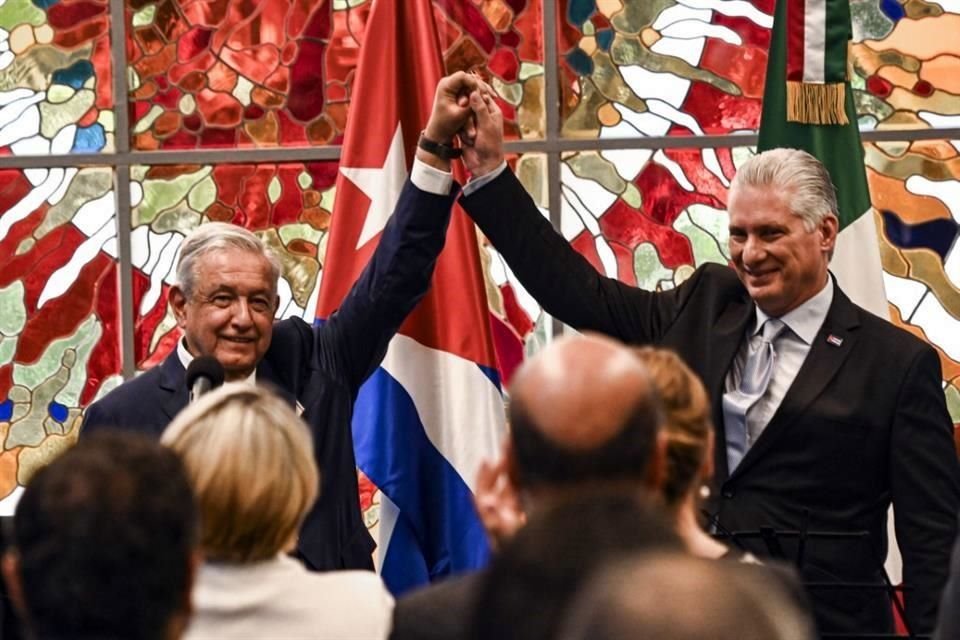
pixel 657 465
pixel 178 304
pixel 10 568
pixel 829 228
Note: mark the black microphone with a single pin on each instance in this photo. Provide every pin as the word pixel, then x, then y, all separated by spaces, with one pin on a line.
pixel 203 375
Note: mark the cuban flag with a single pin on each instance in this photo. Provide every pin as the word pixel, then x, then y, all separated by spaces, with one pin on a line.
pixel 433 411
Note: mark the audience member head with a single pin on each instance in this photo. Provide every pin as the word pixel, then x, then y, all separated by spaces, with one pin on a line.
pixel 226 296
pixel 105 543
pixel 687 425
pixel 250 460
pixel 531 582
pixel 658 595
pixel 783 227
pixel 584 412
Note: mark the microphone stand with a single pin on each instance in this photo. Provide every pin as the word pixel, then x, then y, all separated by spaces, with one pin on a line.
pixel 772 538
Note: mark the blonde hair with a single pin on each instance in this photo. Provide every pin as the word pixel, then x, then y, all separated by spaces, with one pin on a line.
pixel 687 423
pixel 250 461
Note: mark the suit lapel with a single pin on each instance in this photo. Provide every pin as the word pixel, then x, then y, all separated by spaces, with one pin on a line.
pixel 268 376
pixel 831 347
pixel 726 337
pixel 173 380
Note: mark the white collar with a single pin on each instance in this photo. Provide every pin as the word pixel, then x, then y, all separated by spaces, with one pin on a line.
pixel 186 358
pixel 805 321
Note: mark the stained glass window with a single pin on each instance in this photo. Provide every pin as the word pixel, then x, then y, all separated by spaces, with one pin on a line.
pixel 916 190
pixel 665 68
pixel 662 68
pixel 230 73
pixel 55 75
pixel 906 64
pixel 59 329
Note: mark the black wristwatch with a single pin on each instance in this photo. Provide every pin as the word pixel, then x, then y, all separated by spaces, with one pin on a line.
pixel 444 151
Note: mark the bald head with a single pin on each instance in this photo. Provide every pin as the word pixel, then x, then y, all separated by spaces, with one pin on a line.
pixel 581 390
pixel 583 410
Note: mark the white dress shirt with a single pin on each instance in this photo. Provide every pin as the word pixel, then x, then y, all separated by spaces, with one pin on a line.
pixel 791 346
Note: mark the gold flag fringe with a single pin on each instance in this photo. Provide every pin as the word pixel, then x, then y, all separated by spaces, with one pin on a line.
pixel 816 103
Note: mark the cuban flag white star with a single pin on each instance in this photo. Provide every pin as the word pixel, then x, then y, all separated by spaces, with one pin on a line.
pixel 382 185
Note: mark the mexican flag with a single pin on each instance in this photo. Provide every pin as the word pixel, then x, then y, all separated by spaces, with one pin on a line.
pixel 808 104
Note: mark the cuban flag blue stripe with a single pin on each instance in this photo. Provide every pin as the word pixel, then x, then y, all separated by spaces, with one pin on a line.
pixel 492 376
pixel 437 530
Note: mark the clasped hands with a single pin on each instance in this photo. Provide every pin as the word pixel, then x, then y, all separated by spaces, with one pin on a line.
pixel 464 108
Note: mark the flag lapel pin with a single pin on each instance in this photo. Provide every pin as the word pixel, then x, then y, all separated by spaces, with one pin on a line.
pixel 834 340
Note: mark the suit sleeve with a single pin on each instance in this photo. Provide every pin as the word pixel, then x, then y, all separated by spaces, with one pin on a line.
pixel 925 487
pixel 95 418
pixel 948 624
pixel 354 339
pixel 564 283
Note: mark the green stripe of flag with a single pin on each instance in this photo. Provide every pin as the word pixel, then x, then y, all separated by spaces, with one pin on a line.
pixel 838 147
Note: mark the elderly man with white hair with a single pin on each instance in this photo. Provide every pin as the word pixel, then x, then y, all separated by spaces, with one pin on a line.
pixel 225 301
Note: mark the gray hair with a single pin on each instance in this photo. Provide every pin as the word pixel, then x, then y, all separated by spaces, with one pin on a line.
pixel 219 236
pixel 812 193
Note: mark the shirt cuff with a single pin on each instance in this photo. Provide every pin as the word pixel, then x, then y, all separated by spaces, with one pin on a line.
pixel 479 183
pixel 430 179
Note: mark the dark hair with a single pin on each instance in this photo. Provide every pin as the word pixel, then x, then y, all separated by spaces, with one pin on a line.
pixel 531 582
pixel 626 456
pixel 678 596
pixel 104 536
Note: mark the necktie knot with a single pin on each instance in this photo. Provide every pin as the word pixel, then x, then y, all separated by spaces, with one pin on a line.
pixel 772 329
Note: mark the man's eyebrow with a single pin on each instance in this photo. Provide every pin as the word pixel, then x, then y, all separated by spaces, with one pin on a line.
pixel 225 288
pixel 771 226
pixel 221 288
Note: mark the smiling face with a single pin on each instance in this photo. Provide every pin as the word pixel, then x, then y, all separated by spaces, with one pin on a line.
pixel 230 313
pixel 780 262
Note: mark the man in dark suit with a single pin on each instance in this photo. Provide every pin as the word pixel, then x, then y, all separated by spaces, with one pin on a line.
pixel 583 416
pixel 225 301
pixel 824 413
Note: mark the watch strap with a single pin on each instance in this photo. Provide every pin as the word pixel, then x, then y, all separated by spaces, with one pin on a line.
pixel 445 151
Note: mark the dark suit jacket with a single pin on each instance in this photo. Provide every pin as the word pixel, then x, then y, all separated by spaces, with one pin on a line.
pixel 322 368
pixel 948 625
pixel 441 611
pixel 865 421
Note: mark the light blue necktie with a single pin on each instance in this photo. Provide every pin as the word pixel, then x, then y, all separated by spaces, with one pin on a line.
pixel 754 380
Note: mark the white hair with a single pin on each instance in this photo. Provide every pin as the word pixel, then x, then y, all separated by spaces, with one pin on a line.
pixel 219 236
pixel 812 194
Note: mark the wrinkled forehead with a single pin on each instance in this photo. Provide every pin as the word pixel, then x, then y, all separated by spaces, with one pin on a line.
pixel 235 268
